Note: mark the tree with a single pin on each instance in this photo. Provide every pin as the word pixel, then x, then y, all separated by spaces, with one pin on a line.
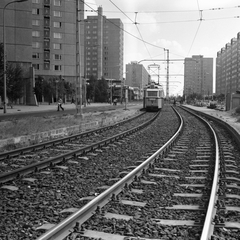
pixel 14 82
pixel 14 79
pixel 91 88
pixel 101 91
pixel 39 88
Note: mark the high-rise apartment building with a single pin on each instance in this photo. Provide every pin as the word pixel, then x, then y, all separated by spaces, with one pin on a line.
pixel 47 35
pixel 227 68
pixel 137 76
pixel 103 47
pixel 55 38
pixel 18 31
pixel 198 75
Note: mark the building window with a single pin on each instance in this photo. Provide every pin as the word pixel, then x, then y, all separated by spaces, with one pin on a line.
pixel 35 44
pixel 57 14
pixel 46 66
pixel 36 55
pixel 57 35
pixel 57 2
pixel 57 57
pixel 57 67
pixel 46 22
pixel 46 56
pixel 57 24
pixel 35 11
pixel 35 1
pixel 36 66
pixel 46 44
pixel 35 34
pixel 46 11
pixel 56 46
pixel 46 33
pixel 35 22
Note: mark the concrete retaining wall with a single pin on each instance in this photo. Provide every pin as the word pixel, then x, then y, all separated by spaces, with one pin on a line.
pixel 66 131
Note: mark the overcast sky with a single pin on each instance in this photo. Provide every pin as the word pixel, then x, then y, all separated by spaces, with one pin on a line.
pixel 185 27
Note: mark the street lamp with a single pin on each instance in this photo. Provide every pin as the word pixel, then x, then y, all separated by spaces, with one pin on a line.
pixel 5 57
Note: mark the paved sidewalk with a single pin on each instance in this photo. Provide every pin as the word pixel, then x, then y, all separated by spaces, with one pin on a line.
pixel 226 116
pixel 53 107
pixel 45 107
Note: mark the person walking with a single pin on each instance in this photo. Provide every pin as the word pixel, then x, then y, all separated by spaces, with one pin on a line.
pixel 60 102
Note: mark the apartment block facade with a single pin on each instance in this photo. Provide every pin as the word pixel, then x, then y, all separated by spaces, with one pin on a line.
pixel 18 31
pixel 103 47
pixel 198 75
pixel 47 35
pixel 55 38
pixel 228 68
pixel 137 76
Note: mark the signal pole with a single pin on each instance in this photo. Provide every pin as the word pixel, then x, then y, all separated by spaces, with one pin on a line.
pixel 167 92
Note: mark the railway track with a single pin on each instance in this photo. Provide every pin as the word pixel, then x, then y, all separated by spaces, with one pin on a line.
pixel 40 155
pixel 171 194
pixel 145 186
pixel 46 195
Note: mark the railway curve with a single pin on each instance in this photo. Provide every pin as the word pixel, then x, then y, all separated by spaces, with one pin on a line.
pixel 133 209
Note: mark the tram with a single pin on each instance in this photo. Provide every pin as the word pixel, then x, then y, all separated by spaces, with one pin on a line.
pixel 153 97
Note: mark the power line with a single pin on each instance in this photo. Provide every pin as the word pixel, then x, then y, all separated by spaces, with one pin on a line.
pixel 125 30
pixel 176 11
pixel 185 21
pixel 121 11
pixel 134 22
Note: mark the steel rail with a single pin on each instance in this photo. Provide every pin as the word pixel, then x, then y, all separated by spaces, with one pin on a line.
pixel 54 142
pixel 53 161
pixel 61 230
pixel 208 225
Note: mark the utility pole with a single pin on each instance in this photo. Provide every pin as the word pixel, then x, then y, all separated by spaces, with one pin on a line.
pixel 167 90
pixel 164 60
pixel 79 59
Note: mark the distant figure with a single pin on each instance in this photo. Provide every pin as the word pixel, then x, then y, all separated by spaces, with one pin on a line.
pixel 174 102
pixel 72 100
pixel 88 101
pixel 115 101
pixel 60 102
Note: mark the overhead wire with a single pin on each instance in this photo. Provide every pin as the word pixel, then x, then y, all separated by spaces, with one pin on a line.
pixel 200 19
pixel 125 30
pixel 135 23
pixel 185 21
pixel 176 11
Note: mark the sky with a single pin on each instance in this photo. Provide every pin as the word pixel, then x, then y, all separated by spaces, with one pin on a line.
pixel 184 27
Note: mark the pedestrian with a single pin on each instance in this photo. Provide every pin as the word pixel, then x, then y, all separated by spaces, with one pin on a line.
pixel 115 101
pixel 88 101
pixel 60 102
